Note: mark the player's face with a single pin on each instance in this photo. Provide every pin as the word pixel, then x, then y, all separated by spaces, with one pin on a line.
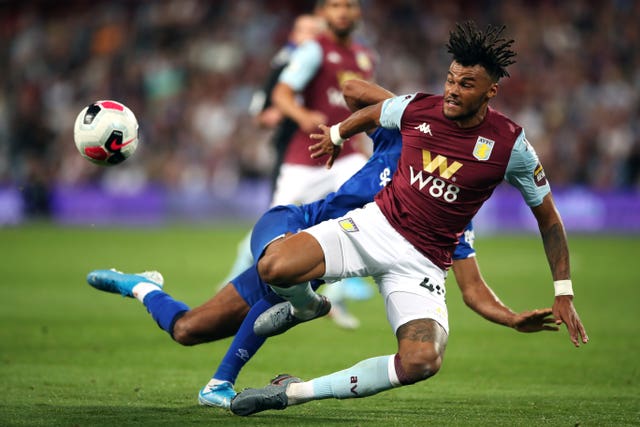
pixel 305 28
pixel 341 16
pixel 467 92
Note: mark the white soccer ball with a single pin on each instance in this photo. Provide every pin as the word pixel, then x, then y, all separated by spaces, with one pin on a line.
pixel 106 132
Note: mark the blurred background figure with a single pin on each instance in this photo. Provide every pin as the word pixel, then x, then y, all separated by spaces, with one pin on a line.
pixel 189 69
pixel 308 92
pixel 305 27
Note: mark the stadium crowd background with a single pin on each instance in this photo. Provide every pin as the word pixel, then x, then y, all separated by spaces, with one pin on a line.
pixel 188 69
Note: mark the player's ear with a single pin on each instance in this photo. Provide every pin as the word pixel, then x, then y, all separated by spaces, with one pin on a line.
pixel 493 90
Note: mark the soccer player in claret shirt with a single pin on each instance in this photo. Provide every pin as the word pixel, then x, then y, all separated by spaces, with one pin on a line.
pixel 455 151
pixel 305 27
pixel 234 309
pixel 309 92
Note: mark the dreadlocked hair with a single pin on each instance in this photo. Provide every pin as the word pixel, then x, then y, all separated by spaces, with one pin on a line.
pixel 470 47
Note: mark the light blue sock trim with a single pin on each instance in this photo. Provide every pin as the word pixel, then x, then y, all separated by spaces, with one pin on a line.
pixel 365 378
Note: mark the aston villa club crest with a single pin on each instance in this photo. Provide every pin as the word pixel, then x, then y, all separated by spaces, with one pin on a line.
pixel 363 61
pixel 348 225
pixel 483 148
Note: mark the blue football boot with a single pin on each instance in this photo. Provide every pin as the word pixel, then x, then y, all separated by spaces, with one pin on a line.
pixel 117 282
pixel 218 395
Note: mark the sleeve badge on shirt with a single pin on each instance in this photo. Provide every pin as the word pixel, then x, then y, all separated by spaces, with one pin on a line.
pixel 539 177
pixel 348 225
pixel 483 148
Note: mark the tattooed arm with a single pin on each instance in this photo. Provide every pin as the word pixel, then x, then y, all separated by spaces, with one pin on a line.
pixel 556 248
pixel 554 238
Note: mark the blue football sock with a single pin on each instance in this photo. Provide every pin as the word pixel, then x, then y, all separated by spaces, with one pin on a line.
pixel 164 309
pixel 245 344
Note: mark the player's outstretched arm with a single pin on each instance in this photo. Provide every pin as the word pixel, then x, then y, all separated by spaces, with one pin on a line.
pixel 480 298
pixel 360 93
pixel 554 239
pixel 331 139
pixel 284 98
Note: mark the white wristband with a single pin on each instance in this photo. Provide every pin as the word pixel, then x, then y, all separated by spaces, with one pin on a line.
pixel 334 133
pixel 563 287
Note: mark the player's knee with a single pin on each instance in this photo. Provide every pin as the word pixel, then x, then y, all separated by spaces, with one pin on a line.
pixel 183 337
pixel 271 270
pixel 421 346
pixel 418 365
pixel 189 330
pixel 182 334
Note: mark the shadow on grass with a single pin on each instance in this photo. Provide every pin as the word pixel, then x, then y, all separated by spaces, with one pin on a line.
pixel 407 411
pixel 307 415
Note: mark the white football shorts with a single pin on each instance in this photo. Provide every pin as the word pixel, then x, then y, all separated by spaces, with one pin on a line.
pixel 363 243
pixel 298 184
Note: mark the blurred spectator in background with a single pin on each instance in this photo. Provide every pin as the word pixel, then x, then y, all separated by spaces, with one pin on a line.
pixel 188 69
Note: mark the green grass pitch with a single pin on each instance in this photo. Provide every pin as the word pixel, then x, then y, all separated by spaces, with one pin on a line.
pixel 73 356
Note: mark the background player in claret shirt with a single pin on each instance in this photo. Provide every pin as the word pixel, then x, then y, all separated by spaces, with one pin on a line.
pixel 455 151
pixel 305 27
pixel 315 75
pixel 234 308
